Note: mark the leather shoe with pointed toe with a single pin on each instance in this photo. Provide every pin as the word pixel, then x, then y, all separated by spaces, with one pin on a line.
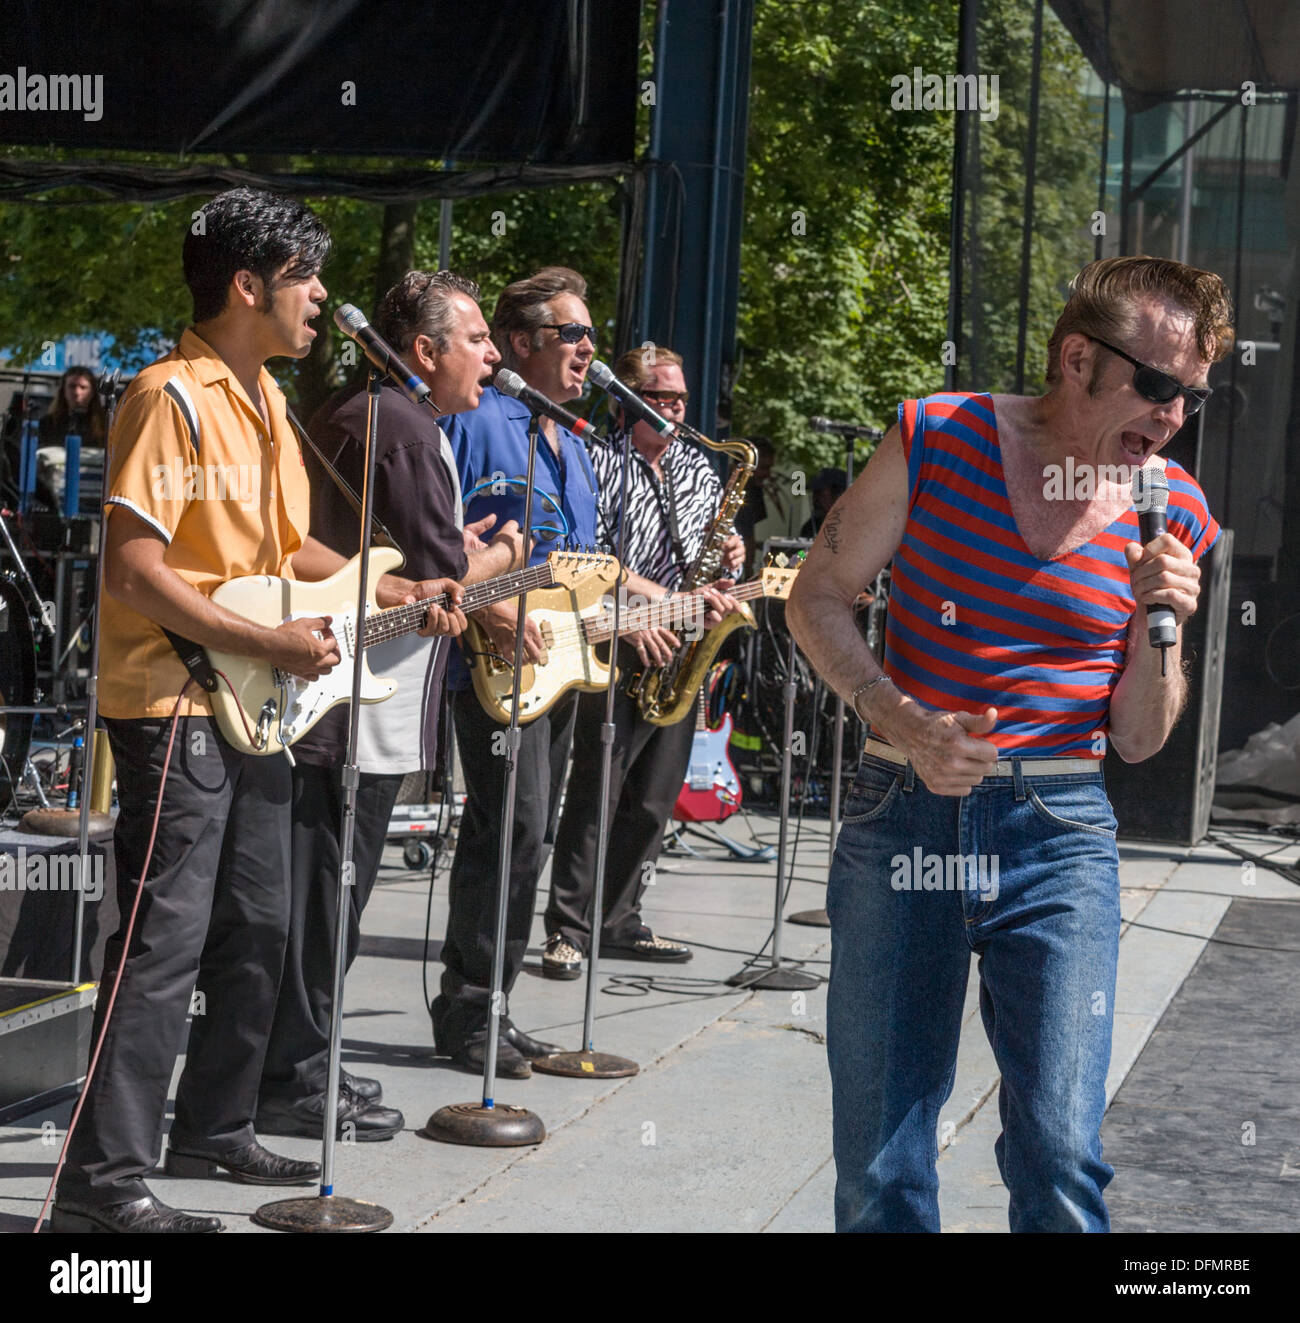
pixel 138 1215
pixel 358 1121
pixel 511 1063
pixel 532 1048
pixel 250 1164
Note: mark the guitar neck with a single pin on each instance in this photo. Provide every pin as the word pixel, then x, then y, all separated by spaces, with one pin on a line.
pixel 398 621
pixel 671 614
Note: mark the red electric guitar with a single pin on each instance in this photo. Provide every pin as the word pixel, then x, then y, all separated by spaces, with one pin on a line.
pixel 711 792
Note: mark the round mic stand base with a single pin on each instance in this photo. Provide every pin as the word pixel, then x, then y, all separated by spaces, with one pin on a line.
pixel 63 822
pixel 497 1126
pixel 323 1212
pixel 810 918
pixel 585 1065
pixel 775 979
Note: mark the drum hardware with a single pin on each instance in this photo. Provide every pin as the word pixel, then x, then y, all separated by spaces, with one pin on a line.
pixel 45 610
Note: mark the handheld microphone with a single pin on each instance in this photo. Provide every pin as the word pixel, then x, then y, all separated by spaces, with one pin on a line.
pixel 820 424
pixel 352 322
pixel 512 384
pixel 634 407
pixel 1151 500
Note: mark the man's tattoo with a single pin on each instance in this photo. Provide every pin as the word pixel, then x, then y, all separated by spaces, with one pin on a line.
pixel 831 531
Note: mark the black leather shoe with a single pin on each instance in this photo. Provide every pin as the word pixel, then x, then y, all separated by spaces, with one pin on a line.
pixel 511 1063
pixel 358 1121
pixel 146 1214
pixel 371 1090
pixel 532 1048
pixel 646 946
pixel 250 1163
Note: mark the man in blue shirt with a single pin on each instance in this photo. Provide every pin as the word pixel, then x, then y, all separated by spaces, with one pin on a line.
pixel 542 328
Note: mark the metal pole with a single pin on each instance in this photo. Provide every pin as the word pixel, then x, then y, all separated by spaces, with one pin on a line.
pixel 350 777
pixel 606 766
pixel 1027 227
pixel 92 716
pixel 508 804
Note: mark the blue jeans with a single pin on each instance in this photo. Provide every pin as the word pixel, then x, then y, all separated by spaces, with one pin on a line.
pixel 1024 872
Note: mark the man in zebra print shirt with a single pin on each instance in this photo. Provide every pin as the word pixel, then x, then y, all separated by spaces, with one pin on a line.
pixel 673 499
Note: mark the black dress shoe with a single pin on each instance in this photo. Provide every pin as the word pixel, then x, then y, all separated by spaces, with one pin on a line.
pixel 371 1090
pixel 146 1214
pixel 357 1120
pixel 250 1163
pixel 646 946
pixel 532 1048
pixel 511 1063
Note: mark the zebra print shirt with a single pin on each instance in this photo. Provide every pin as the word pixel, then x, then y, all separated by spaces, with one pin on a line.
pixel 696 494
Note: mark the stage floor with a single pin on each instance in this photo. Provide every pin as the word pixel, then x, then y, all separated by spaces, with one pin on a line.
pixel 727 1127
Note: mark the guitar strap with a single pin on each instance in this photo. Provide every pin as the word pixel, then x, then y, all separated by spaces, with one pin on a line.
pixel 667 503
pixel 191 654
pixel 378 533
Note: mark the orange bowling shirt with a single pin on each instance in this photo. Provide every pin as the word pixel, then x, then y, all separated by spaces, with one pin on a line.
pixel 192 458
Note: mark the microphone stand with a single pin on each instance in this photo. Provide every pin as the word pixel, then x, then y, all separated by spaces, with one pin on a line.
pixel 327 1211
pixel 775 978
pixel 819 918
pixel 487 1124
pixel 92 716
pixel 586 1062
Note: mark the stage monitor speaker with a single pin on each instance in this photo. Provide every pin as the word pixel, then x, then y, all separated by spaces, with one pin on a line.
pixel 1168 797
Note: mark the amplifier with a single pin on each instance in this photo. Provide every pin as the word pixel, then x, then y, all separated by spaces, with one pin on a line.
pixel 1168 797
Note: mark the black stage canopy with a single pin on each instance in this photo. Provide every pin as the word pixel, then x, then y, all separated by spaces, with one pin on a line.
pixel 1154 48
pixel 539 81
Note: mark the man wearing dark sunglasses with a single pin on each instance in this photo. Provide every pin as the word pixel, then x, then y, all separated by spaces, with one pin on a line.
pixel 543 330
pixel 1016 650
pixel 673 496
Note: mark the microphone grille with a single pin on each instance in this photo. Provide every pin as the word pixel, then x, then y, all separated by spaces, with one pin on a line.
pixel 509 383
pixel 349 318
pixel 818 423
pixel 600 373
pixel 1150 489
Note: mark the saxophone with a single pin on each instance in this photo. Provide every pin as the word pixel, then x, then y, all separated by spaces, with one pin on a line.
pixel 665 693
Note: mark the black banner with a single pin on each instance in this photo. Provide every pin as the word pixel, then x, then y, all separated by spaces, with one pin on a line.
pixel 538 81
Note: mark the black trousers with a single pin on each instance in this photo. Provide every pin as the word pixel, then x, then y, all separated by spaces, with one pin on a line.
pixel 215 909
pixel 462 1007
pixel 297 1056
pixel 647 770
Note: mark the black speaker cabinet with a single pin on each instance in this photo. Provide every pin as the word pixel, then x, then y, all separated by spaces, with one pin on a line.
pixel 1167 798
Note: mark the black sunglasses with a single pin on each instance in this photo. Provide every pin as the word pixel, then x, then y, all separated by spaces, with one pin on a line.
pixel 572 332
pixel 1159 387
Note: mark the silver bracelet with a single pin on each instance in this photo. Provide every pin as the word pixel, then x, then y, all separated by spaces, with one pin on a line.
pixel 862 689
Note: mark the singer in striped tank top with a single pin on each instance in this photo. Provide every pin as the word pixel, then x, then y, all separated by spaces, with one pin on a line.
pixel 1018 648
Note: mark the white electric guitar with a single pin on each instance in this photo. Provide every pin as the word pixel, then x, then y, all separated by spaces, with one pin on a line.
pixel 263 709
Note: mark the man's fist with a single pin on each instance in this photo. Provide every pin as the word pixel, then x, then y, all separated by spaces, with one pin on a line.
pixel 948 751
pixel 1163 573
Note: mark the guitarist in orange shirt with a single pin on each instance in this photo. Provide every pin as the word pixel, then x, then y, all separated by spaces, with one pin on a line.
pixel 215 901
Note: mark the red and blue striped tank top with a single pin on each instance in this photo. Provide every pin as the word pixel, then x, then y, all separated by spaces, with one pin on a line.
pixel 977 620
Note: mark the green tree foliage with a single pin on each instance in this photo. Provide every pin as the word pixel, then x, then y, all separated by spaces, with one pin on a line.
pixel 844 266
pixel 1064 197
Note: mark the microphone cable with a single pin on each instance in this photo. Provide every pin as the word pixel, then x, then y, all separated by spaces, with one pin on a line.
pixel 121 964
